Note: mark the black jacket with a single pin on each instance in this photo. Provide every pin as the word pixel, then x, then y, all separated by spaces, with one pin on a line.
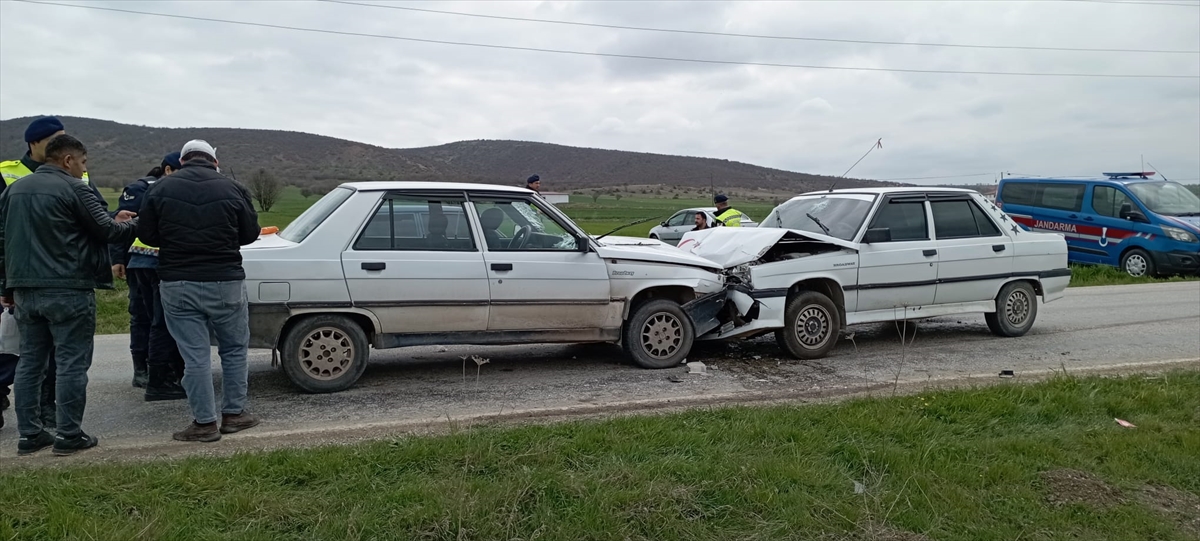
pixel 199 220
pixel 54 233
pixel 131 200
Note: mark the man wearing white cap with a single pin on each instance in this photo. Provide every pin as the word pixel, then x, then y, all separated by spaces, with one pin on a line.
pixel 199 218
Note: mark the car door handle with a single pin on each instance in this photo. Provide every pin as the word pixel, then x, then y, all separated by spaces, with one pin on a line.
pixel 374 266
pixel 997 247
pixel 1087 218
pixel 930 253
pixel 501 266
pixel 1072 216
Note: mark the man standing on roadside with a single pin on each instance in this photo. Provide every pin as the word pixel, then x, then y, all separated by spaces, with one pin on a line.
pixel 54 237
pixel 199 219
pixel 37 135
pixel 156 360
pixel 534 183
pixel 727 215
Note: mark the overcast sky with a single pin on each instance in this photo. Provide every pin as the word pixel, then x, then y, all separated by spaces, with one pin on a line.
pixel 179 73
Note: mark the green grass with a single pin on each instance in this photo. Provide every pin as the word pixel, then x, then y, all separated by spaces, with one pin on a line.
pixel 950 465
pixel 1104 275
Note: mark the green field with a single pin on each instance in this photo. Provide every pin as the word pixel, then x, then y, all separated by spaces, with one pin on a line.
pixel 1033 462
pixel 594 217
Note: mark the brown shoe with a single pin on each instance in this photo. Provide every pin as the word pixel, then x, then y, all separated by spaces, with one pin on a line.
pixel 238 422
pixel 198 432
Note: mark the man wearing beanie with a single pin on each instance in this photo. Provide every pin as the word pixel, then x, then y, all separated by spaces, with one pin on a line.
pixel 37 135
pixel 157 365
pixel 199 218
pixel 534 183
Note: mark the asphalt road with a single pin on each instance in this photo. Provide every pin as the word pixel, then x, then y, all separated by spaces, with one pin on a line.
pixel 406 389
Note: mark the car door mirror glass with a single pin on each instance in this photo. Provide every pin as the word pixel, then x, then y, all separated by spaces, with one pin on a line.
pixel 878 234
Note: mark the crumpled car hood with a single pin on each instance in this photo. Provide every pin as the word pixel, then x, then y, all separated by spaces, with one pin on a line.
pixel 652 250
pixel 733 246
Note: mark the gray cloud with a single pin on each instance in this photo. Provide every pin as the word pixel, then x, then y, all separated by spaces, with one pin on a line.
pixel 164 72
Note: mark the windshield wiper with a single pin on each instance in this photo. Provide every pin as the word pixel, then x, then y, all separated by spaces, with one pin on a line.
pixel 818 222
pixel 630 224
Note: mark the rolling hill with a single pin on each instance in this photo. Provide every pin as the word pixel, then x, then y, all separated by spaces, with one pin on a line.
pixel 119 153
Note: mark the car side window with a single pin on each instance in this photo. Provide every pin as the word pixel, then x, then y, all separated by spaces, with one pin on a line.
pixel 961 219
pixel 1107 201
pixel 1063 196
pixel 394 225
pixel 519 225
pixel 906 220
pixel 677 219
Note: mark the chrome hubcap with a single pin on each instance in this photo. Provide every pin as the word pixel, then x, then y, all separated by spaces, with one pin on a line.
pixel 326 353
pixel 1016 308
pixel 662 335
pixel 1135 265
pixel 812 326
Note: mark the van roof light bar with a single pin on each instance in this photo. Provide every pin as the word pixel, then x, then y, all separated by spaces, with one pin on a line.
pixel 1136 174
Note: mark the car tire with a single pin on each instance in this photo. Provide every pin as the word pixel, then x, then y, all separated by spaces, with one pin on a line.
pixel 1016 310
pixel 654 237
pixel 325 354
pixel 1137 263
pixel 812 325
pixel 658 334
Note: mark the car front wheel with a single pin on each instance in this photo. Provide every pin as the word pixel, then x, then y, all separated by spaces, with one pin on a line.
pixel 1016 309
pixel 812 324
pixel 1137 263
pixel 658 334
pixel 325 354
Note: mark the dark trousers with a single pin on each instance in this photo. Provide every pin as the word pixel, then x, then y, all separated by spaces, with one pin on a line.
pixel 8 370
pixel 57 327
pixel 150 341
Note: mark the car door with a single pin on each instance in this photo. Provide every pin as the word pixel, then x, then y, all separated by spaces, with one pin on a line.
pixel 419 279
pixel 672 233
pixel 1111 229
pixel 540 278
pixel 901 271
pixel 974 257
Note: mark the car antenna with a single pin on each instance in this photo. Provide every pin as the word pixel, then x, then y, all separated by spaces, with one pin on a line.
pixel 878 144
pixel 1164 177
pixel 630 224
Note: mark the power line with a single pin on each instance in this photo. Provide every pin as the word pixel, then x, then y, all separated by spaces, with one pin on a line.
pixel 615 55
pixel 758 36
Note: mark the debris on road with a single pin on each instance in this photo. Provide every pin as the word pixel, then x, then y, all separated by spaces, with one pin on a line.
pixel 697 367
pixel 1007 374
pixel 1124 423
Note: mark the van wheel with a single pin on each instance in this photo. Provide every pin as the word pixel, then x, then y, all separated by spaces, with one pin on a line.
pixel 658 334
pixel 325 354
pixel 1137 263
pixel 1016 309
pixel 812 324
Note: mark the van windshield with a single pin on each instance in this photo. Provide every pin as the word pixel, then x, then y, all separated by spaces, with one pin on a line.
pixel 1167 198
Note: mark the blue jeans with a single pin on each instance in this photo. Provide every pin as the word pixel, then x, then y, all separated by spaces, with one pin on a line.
pixel 192 308
pixel 57 326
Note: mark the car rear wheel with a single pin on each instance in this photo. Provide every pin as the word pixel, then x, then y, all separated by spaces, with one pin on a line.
pixel 325 354
pixel 812 324
pixel 1016 310
pixel 1137 263
pixel 658 334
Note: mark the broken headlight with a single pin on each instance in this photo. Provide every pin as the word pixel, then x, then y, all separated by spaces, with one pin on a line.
pixel 738 275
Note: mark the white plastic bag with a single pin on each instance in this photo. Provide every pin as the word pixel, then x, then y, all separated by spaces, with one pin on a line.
pixel 10 336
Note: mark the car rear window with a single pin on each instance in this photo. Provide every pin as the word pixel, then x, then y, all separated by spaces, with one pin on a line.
pixel 303 226
pixel 961 219
pixel 1051 195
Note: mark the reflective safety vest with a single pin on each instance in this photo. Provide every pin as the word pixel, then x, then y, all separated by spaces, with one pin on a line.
pixel 142 248
pixel 14 170
pixel 730 217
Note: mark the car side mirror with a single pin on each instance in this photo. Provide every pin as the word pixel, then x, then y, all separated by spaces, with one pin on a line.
pixel 664 224
pixel 581 244
pixel 878 234
pixel 1137 216
pixel 1126 209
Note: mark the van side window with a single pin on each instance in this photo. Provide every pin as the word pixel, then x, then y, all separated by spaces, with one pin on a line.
pixel 1107 201
pixel 961 219
pixel 906 220
pixel 1051 195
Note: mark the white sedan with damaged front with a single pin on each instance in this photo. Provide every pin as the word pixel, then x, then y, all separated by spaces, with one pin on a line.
pixel 391 264
pixel 825 260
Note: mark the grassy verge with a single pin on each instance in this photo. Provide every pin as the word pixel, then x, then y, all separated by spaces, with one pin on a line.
pixel 1043 461
pixel 1104 275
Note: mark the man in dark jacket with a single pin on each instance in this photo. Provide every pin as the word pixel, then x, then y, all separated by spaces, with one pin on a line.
pixel 54 234
pixel 199 220
pixel 157 365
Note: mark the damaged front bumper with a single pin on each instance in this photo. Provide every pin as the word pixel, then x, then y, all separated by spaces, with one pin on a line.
pixel 736 311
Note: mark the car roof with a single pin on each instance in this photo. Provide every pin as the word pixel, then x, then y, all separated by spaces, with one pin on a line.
pixel 1109 180
pixel 694 209
pixel 883 191
pixel 383 185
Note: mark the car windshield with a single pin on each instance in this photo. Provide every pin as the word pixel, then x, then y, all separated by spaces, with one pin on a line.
pixel 301 227
pixel 843 214
pixel 1166 198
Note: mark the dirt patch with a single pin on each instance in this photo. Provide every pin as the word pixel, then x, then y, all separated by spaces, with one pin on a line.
pixel 1181 506
pixel 1066 487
